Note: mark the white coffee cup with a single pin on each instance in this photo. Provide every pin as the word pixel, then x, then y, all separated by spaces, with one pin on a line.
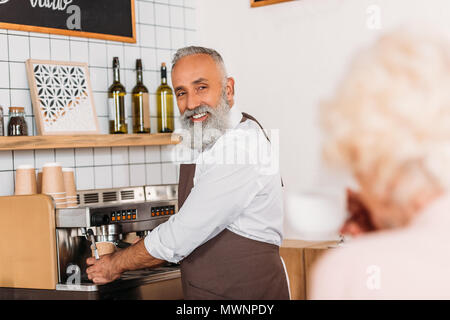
pixel 315 216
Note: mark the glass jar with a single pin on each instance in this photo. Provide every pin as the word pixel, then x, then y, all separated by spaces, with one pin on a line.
pixel 17 125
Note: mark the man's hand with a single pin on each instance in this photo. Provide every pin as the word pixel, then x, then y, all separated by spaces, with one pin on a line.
pixel 109 267
pixel 359 221
pixel 102 271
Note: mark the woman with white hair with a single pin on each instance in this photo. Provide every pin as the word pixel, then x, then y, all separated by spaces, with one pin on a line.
pixel 389 124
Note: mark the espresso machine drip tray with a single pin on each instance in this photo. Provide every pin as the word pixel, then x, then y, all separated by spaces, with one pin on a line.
pixel 128 280
pixel 163 283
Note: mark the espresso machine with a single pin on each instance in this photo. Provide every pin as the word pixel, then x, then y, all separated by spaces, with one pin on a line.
pixel 120 216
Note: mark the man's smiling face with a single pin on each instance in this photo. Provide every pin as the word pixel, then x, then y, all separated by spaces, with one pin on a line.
pixel 204 97
pixel 197 81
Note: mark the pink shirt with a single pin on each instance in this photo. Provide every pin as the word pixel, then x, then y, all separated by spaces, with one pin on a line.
pixel 407 263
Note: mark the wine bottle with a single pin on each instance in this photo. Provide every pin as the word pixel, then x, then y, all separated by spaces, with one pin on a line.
pixel 116 101
pixel 164 99
pixel 141 103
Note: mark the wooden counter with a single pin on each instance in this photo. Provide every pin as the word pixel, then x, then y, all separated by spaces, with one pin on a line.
pixel 299 257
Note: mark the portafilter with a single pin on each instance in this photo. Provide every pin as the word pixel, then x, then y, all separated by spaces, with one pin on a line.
pixel 109 232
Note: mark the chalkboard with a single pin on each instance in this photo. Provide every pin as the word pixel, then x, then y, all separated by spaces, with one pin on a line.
pixel 260 3
pixel 102 19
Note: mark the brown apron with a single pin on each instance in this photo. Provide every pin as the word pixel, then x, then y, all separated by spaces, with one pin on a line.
pixel 230 266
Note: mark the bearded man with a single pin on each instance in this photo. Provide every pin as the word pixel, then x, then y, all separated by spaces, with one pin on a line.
pixel 228 229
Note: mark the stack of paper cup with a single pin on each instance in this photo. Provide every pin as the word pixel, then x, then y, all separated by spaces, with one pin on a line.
pixel 53 183
pixel 69 186
pixel 25 180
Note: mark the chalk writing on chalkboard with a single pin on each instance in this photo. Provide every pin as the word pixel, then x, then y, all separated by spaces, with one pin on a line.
pixel 103 19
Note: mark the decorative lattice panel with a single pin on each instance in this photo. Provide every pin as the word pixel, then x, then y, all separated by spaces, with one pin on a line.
pixel 63 98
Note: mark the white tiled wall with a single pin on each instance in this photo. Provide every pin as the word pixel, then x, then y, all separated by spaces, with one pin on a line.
pixel 162 26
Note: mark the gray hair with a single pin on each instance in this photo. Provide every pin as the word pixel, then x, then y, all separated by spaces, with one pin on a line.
pixel 192 50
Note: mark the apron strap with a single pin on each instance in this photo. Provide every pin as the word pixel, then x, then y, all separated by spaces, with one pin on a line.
pixel 246 116
pixel 186 182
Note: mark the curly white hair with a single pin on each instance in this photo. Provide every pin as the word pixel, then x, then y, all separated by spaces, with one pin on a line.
pixel 391 110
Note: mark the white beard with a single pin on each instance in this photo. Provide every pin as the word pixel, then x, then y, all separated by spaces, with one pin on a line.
pixel 205 134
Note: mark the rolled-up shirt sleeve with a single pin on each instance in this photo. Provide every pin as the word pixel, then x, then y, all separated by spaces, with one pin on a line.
pixel 221 194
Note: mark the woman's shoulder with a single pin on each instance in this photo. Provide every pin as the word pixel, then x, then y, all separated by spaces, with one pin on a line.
pixel 352 269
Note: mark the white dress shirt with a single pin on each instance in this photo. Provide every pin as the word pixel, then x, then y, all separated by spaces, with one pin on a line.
pixel 237 186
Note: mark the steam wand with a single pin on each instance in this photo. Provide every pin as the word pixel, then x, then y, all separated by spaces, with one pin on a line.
pixel 90 234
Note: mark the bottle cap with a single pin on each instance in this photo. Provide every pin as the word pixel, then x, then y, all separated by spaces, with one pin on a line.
pixel 163 71
pixel 138 64
pixel 115 62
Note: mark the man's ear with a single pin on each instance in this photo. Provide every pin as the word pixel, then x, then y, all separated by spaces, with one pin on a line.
pixel 230 89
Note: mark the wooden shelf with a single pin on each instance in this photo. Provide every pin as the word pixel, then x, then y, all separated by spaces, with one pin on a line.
pixel 87 141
